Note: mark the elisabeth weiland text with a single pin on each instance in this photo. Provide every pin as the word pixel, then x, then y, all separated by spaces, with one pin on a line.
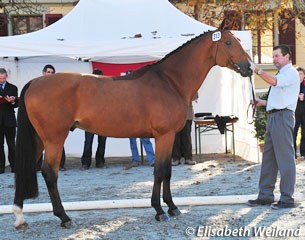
pixel 259 231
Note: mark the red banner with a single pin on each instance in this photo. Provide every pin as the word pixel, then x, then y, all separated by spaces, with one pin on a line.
pixel 111 69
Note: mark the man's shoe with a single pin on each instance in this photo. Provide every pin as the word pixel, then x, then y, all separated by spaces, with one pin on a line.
pixel 175 163
pixel 258 202
pixel 84 167
pixel 152 165
pixel 190 162
pixel 280 205
pixel 2 171
pixel 132 164
pixel 101 165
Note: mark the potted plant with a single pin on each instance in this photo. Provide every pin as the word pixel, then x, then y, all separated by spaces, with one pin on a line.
pixel 260 120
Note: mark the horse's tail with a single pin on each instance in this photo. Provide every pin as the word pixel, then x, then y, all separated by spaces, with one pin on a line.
pixel 25 162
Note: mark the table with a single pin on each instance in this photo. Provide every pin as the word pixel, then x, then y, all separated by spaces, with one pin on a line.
pixel 206 125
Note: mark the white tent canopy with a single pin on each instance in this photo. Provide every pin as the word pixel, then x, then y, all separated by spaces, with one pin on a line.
pixel 105 30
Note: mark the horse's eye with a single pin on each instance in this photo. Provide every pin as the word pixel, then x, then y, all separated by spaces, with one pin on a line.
pixel 228 43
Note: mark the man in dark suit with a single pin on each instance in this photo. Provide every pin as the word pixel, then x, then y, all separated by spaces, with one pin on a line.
pixel 100 151
pixel 8 101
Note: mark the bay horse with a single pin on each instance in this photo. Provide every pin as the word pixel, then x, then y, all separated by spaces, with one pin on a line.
pixel 153 102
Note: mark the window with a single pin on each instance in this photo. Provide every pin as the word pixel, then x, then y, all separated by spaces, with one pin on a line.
pixel 52 18
pixel 26 24
pixel 263 32
pixel 262 36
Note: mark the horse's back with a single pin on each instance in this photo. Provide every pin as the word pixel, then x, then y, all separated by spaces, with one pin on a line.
pixel 117 108
pixel 60 87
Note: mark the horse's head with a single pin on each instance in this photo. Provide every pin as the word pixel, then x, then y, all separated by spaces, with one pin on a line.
pixel 230 53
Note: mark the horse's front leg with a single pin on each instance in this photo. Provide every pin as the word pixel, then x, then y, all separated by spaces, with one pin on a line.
pixel 155 198
pixel 162 173
pixel 167 196
pixel 50 174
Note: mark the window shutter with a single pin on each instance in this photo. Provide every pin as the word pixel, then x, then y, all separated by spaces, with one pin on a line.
pixel 3 25
pixel 287 32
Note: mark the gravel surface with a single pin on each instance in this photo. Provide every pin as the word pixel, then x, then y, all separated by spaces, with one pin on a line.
pixel 214 175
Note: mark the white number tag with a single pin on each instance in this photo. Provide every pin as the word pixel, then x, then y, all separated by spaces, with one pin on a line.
pixel 216 36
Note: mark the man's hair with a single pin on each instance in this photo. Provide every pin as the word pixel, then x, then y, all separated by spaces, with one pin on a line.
pixel 301 69
pixel 3 71
pixel 284 49
pixel 97 71
pixel 128 72
pixel 48 66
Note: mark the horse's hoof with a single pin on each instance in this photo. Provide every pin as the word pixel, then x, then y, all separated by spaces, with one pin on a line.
pixel 22 226
pixel 162 217
pixel 174 212
pixel 67 224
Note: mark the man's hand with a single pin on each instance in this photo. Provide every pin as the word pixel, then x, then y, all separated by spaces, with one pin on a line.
pixel 260 102
pixel 10 99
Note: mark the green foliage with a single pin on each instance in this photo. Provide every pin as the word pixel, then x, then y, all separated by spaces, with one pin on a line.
pixel 260 121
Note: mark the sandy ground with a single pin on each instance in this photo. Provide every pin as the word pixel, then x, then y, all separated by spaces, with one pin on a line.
pixel 214 175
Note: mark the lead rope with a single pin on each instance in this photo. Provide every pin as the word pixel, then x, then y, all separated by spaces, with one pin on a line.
pixel 251 104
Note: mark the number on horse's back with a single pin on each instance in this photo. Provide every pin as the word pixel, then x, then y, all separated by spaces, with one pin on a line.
pixel 153 100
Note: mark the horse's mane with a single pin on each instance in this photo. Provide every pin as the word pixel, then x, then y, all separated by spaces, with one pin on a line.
pixel 182 46
pixel 139 72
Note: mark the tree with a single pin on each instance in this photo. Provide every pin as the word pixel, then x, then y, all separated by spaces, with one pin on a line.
pixel 260 121
pixel 21 7
pixel 215 11
pixel 11 8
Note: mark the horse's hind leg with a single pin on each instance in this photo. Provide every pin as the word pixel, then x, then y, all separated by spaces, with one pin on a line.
pixel 49 171
pixel 39 151
pixel 18 203
pixel 162 172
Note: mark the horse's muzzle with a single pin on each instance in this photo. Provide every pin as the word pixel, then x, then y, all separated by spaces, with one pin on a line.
pixel 243 68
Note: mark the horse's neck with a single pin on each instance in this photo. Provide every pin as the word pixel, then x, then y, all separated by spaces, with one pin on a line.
pixel 187 68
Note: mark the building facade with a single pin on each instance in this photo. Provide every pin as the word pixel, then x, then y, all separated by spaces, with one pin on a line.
pixel 20 18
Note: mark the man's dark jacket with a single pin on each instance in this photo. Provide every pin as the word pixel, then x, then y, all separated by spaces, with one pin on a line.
pixel 7 112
